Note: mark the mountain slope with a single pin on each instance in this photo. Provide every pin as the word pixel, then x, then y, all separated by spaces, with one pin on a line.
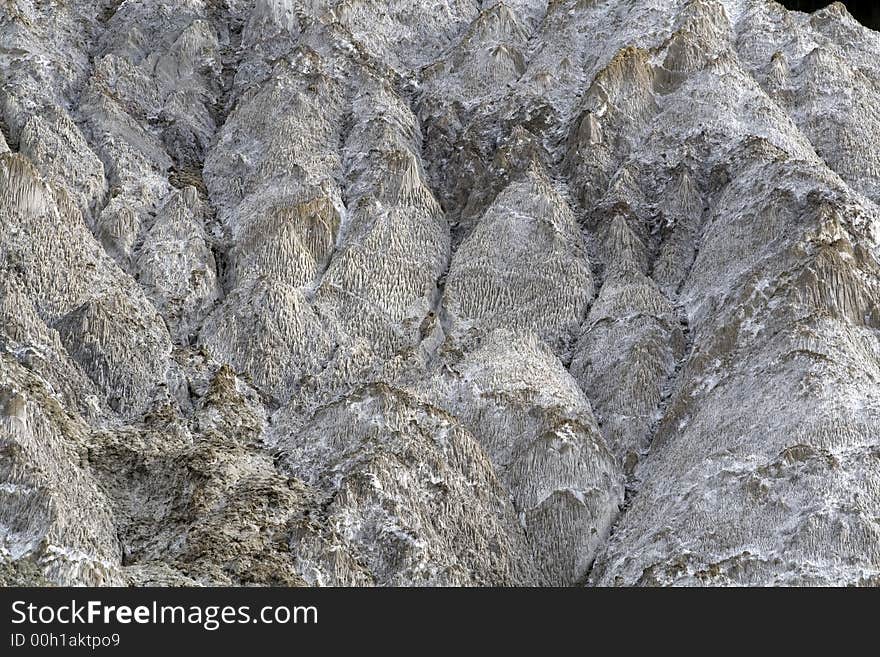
pixel 321 292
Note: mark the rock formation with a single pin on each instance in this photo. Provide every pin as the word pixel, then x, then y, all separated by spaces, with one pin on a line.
pixel 470 292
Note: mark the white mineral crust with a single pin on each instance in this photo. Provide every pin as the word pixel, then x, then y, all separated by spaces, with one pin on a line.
pixel 447 292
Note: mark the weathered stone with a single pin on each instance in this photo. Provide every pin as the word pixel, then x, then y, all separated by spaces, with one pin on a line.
pixel 466 292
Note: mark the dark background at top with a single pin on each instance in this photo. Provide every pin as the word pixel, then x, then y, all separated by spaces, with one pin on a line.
pixel 867 13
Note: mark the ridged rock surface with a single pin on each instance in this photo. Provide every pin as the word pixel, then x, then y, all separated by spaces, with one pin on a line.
pixel 468 292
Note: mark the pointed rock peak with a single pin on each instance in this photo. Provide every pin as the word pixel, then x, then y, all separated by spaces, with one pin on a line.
pixel 540 174
pixel 551 206
pixel 682 197
pixel 823 68
pixel 496 23
pixel 834 11
pixel 536 173
pixel 21 185
pixel 688 52
pixel 624 250
pixel 778 58
pixel 505 53
pixel 631 67
pixel 707 18
pixel 625 190
pixel 190 197
pixel 533 189
pixel 405 181
pixel 779 68
pixel 702 31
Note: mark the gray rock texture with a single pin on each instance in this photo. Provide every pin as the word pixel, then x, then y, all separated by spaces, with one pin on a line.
pixel 448 293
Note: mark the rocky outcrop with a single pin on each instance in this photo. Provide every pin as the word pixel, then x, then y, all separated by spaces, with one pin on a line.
pixel 538 429
pixel 410 490
pixel 523 266
pixel 468 293
pixel 55 518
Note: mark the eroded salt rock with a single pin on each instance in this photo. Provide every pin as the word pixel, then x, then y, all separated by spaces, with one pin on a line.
pixel 53 513
pixel 411 491
pixel 538 429
pixel 524 266
pixel 349 292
